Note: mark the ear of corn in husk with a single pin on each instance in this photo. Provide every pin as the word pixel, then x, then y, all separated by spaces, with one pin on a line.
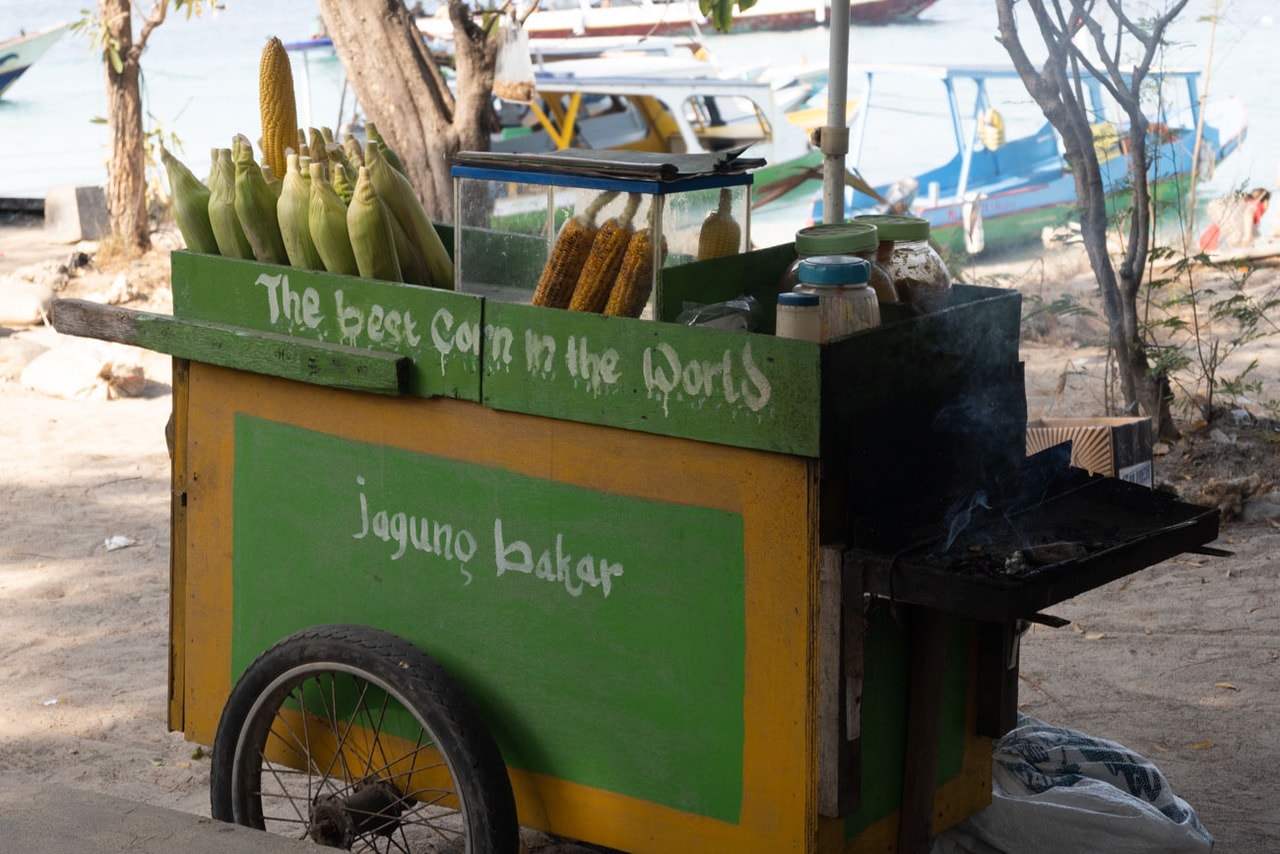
pixel 371 130
pixel 635 280
pixel 276 103
pixel 223 219
pixel 326 133
pixel 302 146
pixel 293 216
pixel 569 255
pixel 327 220
pixel 273 181
pixel 720 234
pixel 341 181
pixel 256 206
pixel 413 267
pixel 605 260
pixel 394 189
pixel 190 205
pixel 316 148
pixel 372 238
pixel 355 154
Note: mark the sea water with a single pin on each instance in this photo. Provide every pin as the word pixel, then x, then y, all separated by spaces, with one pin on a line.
pixel 201 83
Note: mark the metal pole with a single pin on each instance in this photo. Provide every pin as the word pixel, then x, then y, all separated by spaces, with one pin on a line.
pixel 833 139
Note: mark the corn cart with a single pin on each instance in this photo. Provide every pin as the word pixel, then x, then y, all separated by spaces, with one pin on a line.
pixel 445 564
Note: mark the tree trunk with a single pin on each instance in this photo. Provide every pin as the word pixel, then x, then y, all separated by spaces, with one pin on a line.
pixel 127 170
pixel 402 90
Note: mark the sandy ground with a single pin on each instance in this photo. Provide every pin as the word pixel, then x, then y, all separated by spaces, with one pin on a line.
pixel 1180 662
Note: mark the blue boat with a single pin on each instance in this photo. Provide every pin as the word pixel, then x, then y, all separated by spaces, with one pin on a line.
pixel 1001 189
pixel 20 53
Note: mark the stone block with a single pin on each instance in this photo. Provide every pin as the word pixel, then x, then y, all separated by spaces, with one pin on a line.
pixel 72 214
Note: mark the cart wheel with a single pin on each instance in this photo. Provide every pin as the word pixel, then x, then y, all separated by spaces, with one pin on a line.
pixel 356 739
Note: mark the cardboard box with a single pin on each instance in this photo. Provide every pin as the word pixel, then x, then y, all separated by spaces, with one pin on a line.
pixel 1115 447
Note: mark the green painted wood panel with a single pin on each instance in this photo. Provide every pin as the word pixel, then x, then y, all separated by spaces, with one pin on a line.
pixel 753 391
pixel 611 655
pixel 439 330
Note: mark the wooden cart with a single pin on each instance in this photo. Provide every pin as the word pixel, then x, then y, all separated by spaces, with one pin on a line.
pixel 588 574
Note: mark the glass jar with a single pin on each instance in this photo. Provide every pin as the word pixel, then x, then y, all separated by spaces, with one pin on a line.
pixel 918 271
pixel 846 302
pixel 842 238
pixel 799 317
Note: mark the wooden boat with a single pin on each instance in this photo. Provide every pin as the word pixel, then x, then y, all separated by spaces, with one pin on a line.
pixel 19 53
pixel 567 18
pixel 1005 186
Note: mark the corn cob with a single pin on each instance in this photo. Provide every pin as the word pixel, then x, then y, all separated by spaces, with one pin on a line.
pixel 292 214
pixel 569 255
pixel 720 234
pixel 190 205
pixel 372 238
pixel 607 249
pixel 227 230
pixel 342 183
pixel 327 221
pixel 316 151
pixel 635 280
pixel 256 206
pixel 394 189
pixel 355 154
pixel 388 152
pixel 277 105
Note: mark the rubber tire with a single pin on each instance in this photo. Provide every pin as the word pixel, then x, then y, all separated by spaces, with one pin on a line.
pixel 391 663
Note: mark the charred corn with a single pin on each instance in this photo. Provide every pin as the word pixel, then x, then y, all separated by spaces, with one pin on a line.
pixel 387 151
pixel 293 213
pixel 327 221
pixel 635 280
pixel 607 250
pixel 569 255
pixel 190 205
pixel 256 206
pixel 720 234
pixel 394 189
pixel 227 231
pixel 276 103
pixel 372 238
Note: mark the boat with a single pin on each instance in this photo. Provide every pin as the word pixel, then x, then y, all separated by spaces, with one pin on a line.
pixel 569 18
pixel 19 53
pixel 1005 186
pixel 655 95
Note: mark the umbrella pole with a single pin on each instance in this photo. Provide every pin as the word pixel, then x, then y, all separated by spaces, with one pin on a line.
pixel 833 139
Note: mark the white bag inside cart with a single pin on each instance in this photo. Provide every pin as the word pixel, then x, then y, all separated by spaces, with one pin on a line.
pixel 1058 790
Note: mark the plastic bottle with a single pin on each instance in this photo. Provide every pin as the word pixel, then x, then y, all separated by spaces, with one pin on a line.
pixel 919 274
pixel 799 317
pixel 843 238
pixel 846 302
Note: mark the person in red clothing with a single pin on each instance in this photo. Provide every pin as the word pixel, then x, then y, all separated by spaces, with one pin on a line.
pixel 1235 219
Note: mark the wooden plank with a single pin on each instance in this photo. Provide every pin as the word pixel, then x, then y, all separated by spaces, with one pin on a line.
pixel 332 365
pixel 178 420
pixel 920 765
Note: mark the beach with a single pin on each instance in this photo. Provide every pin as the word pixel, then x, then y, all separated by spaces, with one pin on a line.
pixel 1179 662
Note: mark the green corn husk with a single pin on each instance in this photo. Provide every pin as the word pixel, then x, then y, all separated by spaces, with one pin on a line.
pixel 190 205
pixel 327 217
pixel 293 214
pixel 256 206
pixel 394 189
pixel 372 238
pixel 227 230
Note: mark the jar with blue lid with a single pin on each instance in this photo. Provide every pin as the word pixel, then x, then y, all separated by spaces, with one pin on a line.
pixel 846 302
pixel 798 317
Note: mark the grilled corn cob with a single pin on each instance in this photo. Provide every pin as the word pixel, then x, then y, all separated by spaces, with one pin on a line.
pixel 277 105
pixel 394 189
pixel 293 215
pixel 256 206
pixel 569 255
pixel 190 205
pixel 372 238
pixel 227 230
pixel 327 220
pixel 607 250
pixel 720 234
pixel 635 280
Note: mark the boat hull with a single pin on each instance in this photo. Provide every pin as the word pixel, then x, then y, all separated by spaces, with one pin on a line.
pixel 17 55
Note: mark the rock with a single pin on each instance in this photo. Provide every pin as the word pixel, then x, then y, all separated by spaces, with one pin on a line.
pixel 72 214
pixel 84 369
pixel 23 303
pixel 1260 509
pixel 16 352
pixel 1221 438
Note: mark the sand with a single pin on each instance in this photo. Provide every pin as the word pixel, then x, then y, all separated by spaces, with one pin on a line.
pixel 1180 662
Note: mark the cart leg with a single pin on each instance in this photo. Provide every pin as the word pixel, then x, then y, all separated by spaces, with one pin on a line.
pixel 924 717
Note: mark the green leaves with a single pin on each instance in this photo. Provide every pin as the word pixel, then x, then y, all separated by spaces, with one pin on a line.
pixel 721 11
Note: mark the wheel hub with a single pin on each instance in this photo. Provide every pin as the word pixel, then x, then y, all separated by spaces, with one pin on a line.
pixel 371 808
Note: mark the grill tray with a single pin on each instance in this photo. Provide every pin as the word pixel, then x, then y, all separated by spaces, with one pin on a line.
pixel 1113 529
